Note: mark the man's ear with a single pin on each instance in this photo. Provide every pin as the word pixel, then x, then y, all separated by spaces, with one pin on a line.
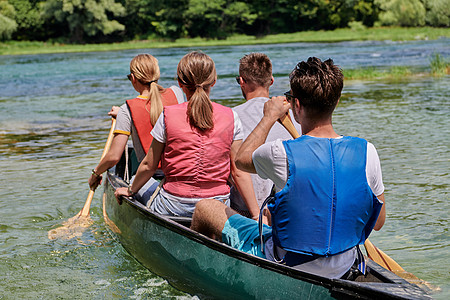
pixel 296 104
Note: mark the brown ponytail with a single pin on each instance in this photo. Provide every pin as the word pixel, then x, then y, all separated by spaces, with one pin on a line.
pixel 146 70
pixel 197 72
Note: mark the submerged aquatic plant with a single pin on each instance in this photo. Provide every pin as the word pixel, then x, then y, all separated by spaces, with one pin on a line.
pixel 439 65
pixel 400 71
pixel 374 73
pixel 362 73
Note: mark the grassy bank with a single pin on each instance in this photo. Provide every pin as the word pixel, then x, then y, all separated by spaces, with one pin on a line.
pixel 375 34
pixel 439 66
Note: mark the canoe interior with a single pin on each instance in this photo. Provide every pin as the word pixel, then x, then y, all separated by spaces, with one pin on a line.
pixel 198 265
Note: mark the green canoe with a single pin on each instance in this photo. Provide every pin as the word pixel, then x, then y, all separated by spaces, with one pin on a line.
pixel 198 265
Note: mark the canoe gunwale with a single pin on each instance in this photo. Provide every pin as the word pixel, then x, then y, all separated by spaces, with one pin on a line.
pixel 399 287
pixel 213 244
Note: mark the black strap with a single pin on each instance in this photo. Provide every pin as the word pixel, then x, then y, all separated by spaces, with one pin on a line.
pixel 361 260
pixel 260 222
pixel 291 257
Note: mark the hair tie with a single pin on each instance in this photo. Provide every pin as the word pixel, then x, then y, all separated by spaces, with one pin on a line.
pixel 198 86
pixel 150 83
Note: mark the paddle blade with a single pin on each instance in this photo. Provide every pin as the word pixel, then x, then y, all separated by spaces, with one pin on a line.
pixel 72 228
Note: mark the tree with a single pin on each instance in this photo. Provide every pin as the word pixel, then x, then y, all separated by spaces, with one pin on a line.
pixel 154 18
pixel 85 18
pixel 331 14
pixel 272 16
pixel 30 25
pixel 438 12
pixel 364 11
pixel 7 23
pixel 402 12
pixel 216 19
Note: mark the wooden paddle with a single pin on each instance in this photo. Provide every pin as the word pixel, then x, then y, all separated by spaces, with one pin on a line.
pixel 287 123
pixel 388 263
pixel 76 225
pixel 381 258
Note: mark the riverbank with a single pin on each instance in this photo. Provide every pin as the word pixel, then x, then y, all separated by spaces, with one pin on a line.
pixel 439 66
pixel 339 35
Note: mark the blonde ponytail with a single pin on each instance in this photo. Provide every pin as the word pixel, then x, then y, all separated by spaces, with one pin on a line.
pixel 200 110
pixel 146 70
pixel 197 72
pixel 156 106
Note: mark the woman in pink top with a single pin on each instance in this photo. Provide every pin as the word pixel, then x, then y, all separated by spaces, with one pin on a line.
pixel 196 142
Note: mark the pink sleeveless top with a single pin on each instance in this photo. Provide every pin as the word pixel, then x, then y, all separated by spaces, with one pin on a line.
pixel 197 163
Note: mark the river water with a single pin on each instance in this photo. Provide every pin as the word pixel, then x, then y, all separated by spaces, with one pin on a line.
pixel 53 127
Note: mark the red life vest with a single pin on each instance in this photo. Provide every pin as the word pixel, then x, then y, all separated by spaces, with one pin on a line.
pixel 139 110
pixel 197 163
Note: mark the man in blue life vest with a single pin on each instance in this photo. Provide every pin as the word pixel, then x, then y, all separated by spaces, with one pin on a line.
pixel 329 190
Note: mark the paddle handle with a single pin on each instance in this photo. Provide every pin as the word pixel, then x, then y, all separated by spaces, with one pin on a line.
pixel 87 205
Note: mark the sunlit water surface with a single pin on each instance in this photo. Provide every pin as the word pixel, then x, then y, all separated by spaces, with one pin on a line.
pixel 54 124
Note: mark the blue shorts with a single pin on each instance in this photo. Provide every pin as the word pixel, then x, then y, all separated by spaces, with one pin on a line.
pixel 243 234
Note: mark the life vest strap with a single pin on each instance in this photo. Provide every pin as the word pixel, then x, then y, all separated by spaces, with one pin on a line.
pixel 269 198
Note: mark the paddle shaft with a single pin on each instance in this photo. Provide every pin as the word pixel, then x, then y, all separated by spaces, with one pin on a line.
pixel 381 258
pixel 87 205
pixel 287 123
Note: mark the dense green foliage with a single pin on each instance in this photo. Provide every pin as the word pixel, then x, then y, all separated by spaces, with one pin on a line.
pixel 7 23
pixel 119 20
pixel 84 18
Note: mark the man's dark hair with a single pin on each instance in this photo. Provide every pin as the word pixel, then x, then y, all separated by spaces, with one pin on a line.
pixel 317 85
pixel 256 68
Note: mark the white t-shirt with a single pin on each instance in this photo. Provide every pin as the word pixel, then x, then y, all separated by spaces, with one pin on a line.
pixel 271 162
pixel 251 113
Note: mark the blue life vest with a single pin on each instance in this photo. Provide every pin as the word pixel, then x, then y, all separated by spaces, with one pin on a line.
pixel 327 206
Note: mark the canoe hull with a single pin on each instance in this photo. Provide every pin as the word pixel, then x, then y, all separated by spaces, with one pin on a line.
pixel 203 267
